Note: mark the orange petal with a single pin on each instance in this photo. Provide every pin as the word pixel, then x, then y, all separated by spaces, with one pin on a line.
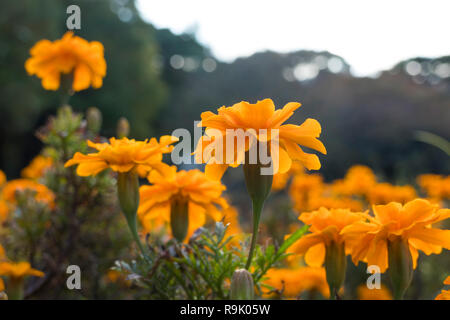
pixel 315 256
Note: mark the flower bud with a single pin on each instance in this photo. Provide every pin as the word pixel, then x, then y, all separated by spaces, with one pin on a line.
pixel 242 287
pixel 335 266
pixel 123 128
pixel 179 218
pixel 128 192
pixel 400 266
pixel 94 120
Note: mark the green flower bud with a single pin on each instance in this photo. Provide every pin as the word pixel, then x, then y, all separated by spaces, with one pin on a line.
pixel 123 128
pixel 128 194
pixel 179 218
pixel 400 266
pixel 242 287
pixel 335 266
pixel 94 120
pixel 258 187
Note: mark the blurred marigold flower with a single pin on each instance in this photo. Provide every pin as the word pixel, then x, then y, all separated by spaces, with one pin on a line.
pixel 280 180
pixel 293 282
pixel 410 223
pixel 358 181
pixel 37 167
pixel 383 193
pixel 2 178
pixel 364 293
pixel 190 190
pixel 234 230
pixel 124 155
pixel 4 211
pixel 2 253
pixel 18 270
pixel 315 202
pixel 68 55
pixel 445 294
pixel 436 186
pixel 42 193
pixel 253 117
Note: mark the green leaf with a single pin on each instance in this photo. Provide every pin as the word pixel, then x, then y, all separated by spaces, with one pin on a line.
pixel 292 238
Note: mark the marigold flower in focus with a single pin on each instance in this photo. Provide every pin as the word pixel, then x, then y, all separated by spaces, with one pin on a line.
pixel 293 282
pixel 445 294
pixel 364 293
pixel 253 117
pixel 411 222
pixel 190 193
pixel 37 167
pixel 68 55
pixel 42 193
pixel 124 155
pixel 325 226
pixel 325 245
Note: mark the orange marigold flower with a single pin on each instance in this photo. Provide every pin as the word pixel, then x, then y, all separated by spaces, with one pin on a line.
pixel 325 226
pixel 436 186
pixel 303 187
pixel 124 155
pixel 2 253
pixel 68 55
pixel 190 190
pixel 315 202
pixel 2 178
pixel 358 180
pixel 364 293
pixel 4 211
pixel 383 193
pixel 411 223
pixel 280 180
pixel 251 118
pixel 37 167
pixel 293 282
pixel 42 193
pixel 445 294
pixel 18 270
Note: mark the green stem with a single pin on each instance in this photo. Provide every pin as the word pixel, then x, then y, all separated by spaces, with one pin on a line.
pixel 257 209
pixel 133 228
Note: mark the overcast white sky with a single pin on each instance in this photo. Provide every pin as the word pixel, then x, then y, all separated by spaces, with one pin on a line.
pixel 370 35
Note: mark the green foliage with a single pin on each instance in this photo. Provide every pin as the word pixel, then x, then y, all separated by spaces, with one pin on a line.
pixel 201 268
pixel 84 227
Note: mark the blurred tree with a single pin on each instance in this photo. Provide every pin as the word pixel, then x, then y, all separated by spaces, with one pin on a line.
pixel 132 87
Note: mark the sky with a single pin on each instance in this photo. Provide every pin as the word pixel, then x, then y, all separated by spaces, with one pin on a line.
pixel 370 35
